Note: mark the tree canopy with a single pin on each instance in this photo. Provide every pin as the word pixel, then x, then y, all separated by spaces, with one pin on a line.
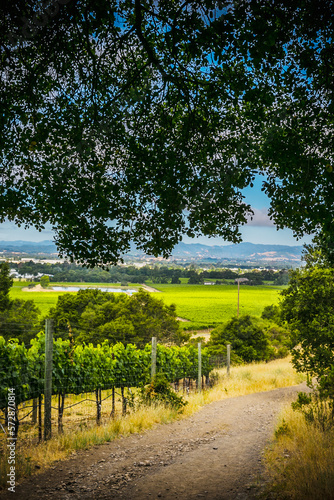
pixel 143 121
pixel 44 281
pixel 307 306
pixel 18 318
pixel 6 282
pixel 94 316
pixel 251 339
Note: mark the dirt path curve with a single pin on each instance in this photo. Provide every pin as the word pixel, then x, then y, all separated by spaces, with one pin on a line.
pixel 215 454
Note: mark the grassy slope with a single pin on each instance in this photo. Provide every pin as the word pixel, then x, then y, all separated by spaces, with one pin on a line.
pixel 207 305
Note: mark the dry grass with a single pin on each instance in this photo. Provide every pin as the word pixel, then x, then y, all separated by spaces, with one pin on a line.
pixel 81 432
pixel 256 377
pixel 300 462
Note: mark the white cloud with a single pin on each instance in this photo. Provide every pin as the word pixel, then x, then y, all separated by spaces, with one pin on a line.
pixel 260 218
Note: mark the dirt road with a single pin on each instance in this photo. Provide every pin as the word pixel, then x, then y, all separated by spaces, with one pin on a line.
pixel 215 454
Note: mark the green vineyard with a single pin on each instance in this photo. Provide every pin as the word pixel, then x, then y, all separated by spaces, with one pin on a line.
pixel 85 368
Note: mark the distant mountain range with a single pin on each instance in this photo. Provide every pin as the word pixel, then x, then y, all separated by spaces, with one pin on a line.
pixel 29 247
pixel 242 251
pixel 248 252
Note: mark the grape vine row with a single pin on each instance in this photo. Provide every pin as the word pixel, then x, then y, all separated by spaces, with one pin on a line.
pixel 85 368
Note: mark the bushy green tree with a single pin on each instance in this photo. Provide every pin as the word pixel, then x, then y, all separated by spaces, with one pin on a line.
pixel 248 338
pixel 45 281
pixel 70 308
pixel 278 335
pixel 251 338
pixel 18 318
pixel 6 281
pixel 95 316
pixel 272 313
pixel 307 306
pixel 282 278
pixel 194 278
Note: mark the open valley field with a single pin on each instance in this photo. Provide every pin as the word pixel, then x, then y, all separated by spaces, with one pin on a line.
pixel 207 305
pixel 204 306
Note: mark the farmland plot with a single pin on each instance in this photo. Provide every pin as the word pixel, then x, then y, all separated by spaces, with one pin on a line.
pixel 205 306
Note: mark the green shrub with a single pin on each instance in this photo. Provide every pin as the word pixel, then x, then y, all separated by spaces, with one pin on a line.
pixel 249 340
pixel 159 391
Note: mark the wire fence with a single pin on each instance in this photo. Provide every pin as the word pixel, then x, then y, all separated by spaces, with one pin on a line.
pixel 77 412
pixel 62 387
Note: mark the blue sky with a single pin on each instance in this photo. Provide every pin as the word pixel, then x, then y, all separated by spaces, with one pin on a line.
pixel 260 230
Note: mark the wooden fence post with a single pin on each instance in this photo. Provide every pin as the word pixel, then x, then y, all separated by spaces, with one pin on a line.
pixel 154 358
pixel 39 418
pixel 199 383
pixel 228 360
pixel 34 411
pixel 48 378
